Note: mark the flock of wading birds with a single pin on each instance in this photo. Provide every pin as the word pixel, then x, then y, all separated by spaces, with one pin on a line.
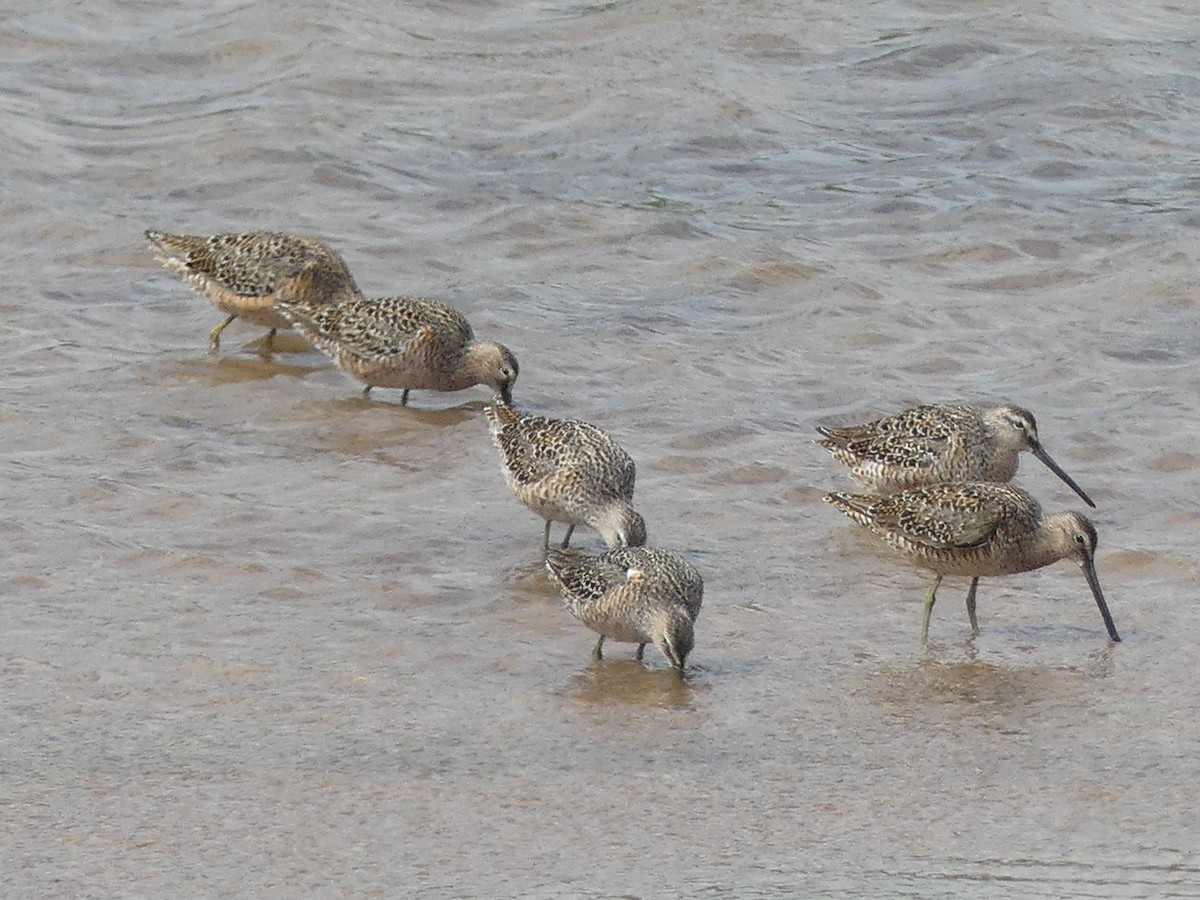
pixel 938 473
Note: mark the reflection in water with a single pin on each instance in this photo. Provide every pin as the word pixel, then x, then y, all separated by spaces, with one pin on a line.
pixel 628 682
pixel 218 370
pixel 284 342
pixel 528 581
pixel 993 691
pixel 439 417
pixel 392 434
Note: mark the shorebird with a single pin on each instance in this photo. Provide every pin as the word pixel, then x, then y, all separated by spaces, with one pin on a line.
pixel 941 443
pixel 244 274
pixel 976 529
pixel 568 471
pixel 402 342
pixel 635 594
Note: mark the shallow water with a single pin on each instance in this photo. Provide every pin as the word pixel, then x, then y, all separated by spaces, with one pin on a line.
pixel 265 637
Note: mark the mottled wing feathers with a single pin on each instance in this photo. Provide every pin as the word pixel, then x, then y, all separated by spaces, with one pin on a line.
pixel 841 437
pixel 940 516
pixel 938 420
pixel 531 445
pixel 585 580
pixel 638 575
pixel 318 281
pixel 252 264
pixel 500 416
pixel 683 578
pixel 536 448
pixel 890 449
pixel 918 438
pixel 377 329
pixel 941 519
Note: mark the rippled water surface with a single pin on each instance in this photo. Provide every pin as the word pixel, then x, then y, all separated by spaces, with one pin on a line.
pixel 265 637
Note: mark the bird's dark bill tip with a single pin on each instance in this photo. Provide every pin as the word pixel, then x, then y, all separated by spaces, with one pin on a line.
pixel 1054 467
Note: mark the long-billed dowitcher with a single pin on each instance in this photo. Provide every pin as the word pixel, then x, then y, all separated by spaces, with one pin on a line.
pixel 940 443
pixel 976 529
pixel 402 342
pixel 244 274
pixel 634 594
pixel 568 471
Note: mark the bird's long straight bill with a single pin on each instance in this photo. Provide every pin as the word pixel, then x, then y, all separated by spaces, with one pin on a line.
pixel 1089 572
pixel 1057 470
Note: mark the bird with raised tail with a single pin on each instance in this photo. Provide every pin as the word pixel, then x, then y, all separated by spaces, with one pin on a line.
pixel 976 529
pixel 940 443
pixel 637 595
pixel 568 471
pixel 243 274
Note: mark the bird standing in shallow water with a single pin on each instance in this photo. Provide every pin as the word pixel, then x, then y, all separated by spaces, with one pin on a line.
pixel 244 274
pixel 403 342
pixel 568 471
pixel 976 529
pixel 940 443
pixel 944 442
pixel 635 594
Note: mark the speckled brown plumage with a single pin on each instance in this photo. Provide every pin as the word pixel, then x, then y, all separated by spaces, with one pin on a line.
pixel 403 342
pixel 940 443
pixel 568 471
pixel 638 595
pixel 976 529
pixel 244 274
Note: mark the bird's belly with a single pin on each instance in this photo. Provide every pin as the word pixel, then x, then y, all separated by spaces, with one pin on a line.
pixel 255 310
pixel 401 372
pixel 545 504
pixel 613 627
pixel 265 317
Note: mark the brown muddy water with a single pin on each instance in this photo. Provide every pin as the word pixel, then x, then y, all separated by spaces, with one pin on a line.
pixel 263 637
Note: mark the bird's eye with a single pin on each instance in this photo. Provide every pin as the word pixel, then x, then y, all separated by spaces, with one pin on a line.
pixel 1080 539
